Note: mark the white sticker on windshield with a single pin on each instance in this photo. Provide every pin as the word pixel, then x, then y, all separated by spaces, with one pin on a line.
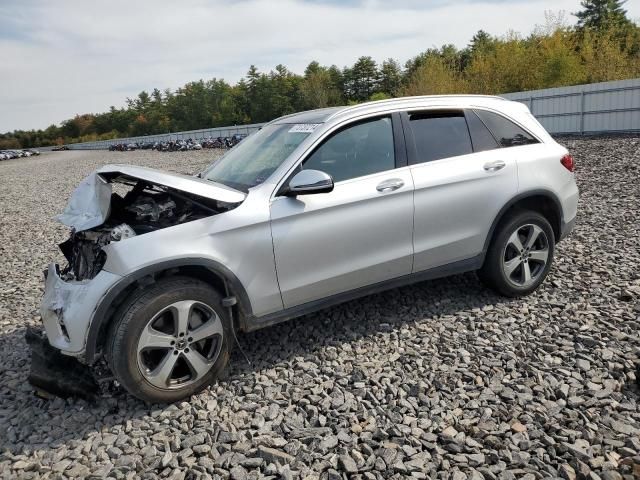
pixel 304 127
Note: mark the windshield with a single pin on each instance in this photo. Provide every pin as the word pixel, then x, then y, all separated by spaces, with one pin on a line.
pixel 253 160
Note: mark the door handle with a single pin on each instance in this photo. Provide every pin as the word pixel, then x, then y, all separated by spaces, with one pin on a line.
pixel 494 166
pixel 390 185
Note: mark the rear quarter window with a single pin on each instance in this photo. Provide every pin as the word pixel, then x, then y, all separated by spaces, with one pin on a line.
pixel 507 133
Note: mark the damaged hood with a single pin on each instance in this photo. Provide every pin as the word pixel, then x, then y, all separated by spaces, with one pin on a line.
pixel 90 202
pixel 185 183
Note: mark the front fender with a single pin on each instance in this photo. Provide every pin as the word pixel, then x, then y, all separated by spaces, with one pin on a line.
pixel 105 307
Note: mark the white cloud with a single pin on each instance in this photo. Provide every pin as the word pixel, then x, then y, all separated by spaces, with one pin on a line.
pixel 59 59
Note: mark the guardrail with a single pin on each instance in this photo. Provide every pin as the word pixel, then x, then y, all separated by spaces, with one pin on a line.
pixel 581 109
pixel 165 137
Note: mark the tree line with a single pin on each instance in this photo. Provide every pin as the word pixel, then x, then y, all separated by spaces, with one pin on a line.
pixel 603 45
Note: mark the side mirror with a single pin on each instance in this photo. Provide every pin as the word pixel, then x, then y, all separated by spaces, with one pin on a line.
pixel 306 182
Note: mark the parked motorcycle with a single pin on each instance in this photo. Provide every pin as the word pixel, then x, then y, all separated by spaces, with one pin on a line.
pixel 180 145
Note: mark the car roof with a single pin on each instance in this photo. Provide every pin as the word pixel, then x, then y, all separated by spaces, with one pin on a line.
pixel 323 115
pixel 319 115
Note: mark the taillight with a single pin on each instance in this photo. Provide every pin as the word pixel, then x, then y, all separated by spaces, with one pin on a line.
pixel 568 163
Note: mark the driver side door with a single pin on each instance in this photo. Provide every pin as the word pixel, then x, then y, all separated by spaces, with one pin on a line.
pixel 360 233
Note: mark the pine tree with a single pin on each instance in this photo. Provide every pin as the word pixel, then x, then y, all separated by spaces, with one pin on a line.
pixel 390 77
pixel 481 43
pixel 600 14
pixel 363 77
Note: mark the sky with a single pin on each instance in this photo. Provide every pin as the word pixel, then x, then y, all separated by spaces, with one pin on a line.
pixel 59 59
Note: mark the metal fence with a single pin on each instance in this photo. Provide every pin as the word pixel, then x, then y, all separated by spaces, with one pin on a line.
pixel 586 109
pixel 196 135
pixel 580 109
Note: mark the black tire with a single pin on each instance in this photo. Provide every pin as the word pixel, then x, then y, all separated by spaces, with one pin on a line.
pixel 134 316
pixel 493 272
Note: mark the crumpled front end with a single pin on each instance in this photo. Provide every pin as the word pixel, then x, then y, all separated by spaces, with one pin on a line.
pixel 67 308
pixel 113 205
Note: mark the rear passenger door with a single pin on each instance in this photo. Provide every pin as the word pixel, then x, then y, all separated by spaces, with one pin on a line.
pixel 462 179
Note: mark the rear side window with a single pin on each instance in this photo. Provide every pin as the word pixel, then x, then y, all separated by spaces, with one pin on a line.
pixel 439 134
pixel 505 131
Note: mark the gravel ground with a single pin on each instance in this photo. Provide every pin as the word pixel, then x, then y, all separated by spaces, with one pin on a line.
pixel 442 379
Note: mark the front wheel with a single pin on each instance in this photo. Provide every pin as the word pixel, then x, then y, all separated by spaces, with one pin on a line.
pixel 520 255
pixel 170 341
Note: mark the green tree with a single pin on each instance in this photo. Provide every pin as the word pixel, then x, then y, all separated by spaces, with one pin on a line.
pixel 481 43
pixel 604 58
pixel 510 67
pixel 390 77
pixel 318 90
pixel 379 96
pixel 313 67
pixel 435 76
pixel 337 80
pixel 10 142
pixel 361 80
pixel 602 14
pixel 558 61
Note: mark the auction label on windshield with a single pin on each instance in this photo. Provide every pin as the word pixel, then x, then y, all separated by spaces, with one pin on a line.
pixel 304 127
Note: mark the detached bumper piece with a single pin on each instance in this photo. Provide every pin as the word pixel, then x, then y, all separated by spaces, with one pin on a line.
pixel 55 374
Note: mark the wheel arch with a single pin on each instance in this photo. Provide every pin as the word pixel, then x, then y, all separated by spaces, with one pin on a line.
pixel 544 202
pixel 209 271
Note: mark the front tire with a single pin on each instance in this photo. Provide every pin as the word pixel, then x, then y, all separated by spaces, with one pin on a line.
pixel 520 255
pixel 170 341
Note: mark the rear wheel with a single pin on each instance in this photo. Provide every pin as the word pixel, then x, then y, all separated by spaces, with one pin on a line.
pixel 520 255
pixel 170 341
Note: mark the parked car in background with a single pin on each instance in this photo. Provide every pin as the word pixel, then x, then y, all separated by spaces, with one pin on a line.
pixel 10 154
pixel 314 209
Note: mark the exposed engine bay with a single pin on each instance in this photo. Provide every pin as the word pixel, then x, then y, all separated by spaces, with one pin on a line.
pixel 144 208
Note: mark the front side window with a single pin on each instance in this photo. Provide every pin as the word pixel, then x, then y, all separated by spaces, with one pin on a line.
pixel 439 134
pixel 505 131
pixel 355 151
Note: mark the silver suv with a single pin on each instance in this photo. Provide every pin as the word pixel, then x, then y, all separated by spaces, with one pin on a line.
pixel 315 209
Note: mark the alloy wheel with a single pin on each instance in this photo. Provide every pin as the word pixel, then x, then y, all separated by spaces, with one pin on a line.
pixel 180 344
pixel 525 255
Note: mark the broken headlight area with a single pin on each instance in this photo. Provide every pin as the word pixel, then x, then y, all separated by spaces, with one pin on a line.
pixel 144 208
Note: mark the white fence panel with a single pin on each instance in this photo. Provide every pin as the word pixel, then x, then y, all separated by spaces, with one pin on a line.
pixel 586 109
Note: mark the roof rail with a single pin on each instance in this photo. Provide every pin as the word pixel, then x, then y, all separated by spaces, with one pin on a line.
pixel 401 100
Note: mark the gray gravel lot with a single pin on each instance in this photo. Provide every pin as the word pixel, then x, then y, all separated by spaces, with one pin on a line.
pixel 442 379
